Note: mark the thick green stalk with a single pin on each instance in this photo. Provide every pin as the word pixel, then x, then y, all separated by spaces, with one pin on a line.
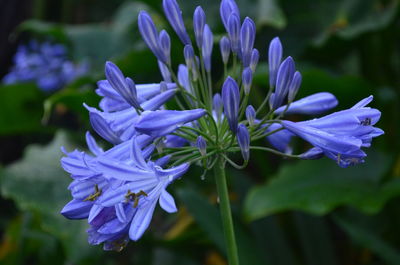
pixel 225 209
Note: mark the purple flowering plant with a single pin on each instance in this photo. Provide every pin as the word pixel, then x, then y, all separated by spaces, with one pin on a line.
pixel 46 64
pixel 117 190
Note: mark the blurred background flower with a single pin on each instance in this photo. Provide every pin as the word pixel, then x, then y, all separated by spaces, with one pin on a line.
pixel 286 212
pixel 45 64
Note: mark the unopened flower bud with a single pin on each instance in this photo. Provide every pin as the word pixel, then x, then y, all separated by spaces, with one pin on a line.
pixel 255 56
pixel 150 36
pixel 234 32
pixel 294 86
pixel 188 53
pixel 174 16
pixel 228 7
pixel 202 145
pixel 165 45
pixel 250 114
pixel 243 138
pixel 225 47
pixel 199 20
pixel 207 47
pixel 283 81
pixel 124 86
pixel 247 78
pixel 247 38
pixel 231 100
pixel 218 106
pixel 274 60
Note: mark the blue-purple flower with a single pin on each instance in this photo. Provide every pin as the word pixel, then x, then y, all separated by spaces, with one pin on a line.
pixel 231 101
pixel 45 64
pixel 341 135
pixel 117 190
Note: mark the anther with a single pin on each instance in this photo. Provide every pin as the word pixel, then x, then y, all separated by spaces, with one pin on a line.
pixel 366 122
pixel 95 195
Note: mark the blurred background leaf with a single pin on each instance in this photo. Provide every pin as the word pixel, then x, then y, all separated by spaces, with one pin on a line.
pixel 37 185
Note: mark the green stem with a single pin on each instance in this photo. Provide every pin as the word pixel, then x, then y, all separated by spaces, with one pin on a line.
pixel 225 209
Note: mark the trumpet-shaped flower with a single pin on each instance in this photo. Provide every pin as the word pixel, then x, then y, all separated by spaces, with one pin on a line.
pixel 117 190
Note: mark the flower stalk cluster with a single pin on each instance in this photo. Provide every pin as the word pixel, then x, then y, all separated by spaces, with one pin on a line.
pixel 117 190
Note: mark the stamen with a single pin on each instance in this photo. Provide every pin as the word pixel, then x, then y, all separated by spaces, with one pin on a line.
pixel 95 195
pixel 338 158
pixel 119 244
pixel 131 196
pixel 366 122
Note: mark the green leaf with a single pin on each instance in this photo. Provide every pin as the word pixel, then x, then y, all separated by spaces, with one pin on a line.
pixel 72 98
pixel 355 17
pixel 97 42
pixel 315 240
pixel 318 187
pixel 21 108
pixel 38 184
pixel 208 218
pixel 94 42
pixel 268 12
pixel 369 239
pixel 43 29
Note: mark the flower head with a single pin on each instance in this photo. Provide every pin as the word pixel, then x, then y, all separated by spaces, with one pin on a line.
pixel 117 190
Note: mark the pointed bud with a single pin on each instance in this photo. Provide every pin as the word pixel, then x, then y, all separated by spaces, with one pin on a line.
pixel 207 47
pixel 202 145
pixel 102 128
pixel 174 16
pixel 165 45
pixel 188 53
pixel 243 138
pixel 225 47
pixel 294 86
pixel 231 101
pixel 218 106
pixel 274 60
pixel 247 38
pixel 234 32
pixel 195 68
pixel 165 73
pixel 183 78
pixel 283 81
pixel 250 114
pixel 150 36
pixel 228 7
pixel 125 87
pixel 247 78
pixel 199 21
pixel 255 56
pixel 132 89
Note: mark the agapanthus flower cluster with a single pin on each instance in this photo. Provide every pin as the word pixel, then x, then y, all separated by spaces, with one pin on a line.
pixel 45 64
pixel 117 190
